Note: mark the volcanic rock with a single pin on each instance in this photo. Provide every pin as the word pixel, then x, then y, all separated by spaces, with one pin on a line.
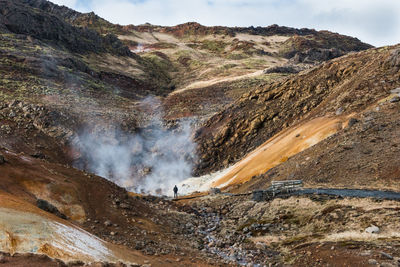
pixel 372 229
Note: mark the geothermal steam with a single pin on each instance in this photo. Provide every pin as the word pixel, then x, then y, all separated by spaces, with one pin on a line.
pixel 150 161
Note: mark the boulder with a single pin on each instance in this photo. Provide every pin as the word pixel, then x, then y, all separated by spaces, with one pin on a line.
pixel 395 99
pixel 384 255
pixel 258 196
pixel 215 191
pixel 395 91
pixel 352 121
pixel 46 206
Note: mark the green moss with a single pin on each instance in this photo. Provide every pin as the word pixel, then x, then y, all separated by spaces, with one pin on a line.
pixel 229 66
pixel 255 63
pixel 237 56
pixel 213 46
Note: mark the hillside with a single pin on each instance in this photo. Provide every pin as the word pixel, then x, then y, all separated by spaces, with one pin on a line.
pixel 166 59
pixel 346 85
pixel 99 121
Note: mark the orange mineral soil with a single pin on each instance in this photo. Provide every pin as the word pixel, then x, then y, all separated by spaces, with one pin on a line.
pixel 25 228
pixel 279 148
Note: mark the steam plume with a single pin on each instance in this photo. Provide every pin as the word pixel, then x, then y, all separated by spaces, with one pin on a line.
pixel 150 161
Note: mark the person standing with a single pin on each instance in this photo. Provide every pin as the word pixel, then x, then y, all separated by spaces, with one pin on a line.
pixel 175 191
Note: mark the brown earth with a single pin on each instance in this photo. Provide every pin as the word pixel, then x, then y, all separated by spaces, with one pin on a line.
pixel 363 155
pixel 344 85
pixel 89 201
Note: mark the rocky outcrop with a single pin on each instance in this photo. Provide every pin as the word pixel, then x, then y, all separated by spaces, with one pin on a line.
pixel 194 28
pixel 320 46
pixel 315 55
pixel 17 17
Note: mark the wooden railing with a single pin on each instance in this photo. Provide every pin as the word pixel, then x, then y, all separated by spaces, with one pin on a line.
pixel 277 187
pixel 285 186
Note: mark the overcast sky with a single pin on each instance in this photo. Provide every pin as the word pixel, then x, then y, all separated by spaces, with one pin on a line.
pixel 373 21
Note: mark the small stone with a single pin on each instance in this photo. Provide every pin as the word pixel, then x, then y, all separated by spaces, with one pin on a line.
pixel 2 259
pixel 384 255
pixel 260 246
pixel 124 206
pixel 352 121
pixel 113 233
pixel 339 111
pixel 107 223
pixel 372 262
pixel 12 114
pixel 394 99
pixel 372 229
pixel 395 91
pixel 13 103
pixel 215 191
pixel 366 253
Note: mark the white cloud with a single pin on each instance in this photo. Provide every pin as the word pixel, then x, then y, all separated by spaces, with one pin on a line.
pixel 373 21
pixel 68 3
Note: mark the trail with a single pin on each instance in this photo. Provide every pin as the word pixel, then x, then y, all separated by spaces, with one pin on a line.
pixel 201 84
pixel 345 192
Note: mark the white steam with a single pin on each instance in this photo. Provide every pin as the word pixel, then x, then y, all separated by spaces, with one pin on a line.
pixel 150 161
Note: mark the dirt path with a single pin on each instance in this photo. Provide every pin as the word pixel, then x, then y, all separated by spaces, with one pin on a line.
pixel 201 84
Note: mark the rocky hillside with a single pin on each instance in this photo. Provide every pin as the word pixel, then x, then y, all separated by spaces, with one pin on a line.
pixel 19 18
pixel 227 62
pixel 345 85
pixel 86 68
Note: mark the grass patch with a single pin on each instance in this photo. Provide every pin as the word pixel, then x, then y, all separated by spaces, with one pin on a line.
pixel 213 46
pixel 237 56
pixel 255 63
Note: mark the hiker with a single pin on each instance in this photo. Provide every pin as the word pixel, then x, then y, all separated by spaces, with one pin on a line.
pixel 175 191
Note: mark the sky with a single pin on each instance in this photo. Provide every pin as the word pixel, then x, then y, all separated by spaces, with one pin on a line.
pixel 376 22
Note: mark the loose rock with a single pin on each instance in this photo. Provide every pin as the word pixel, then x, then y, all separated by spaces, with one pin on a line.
pixel 372 229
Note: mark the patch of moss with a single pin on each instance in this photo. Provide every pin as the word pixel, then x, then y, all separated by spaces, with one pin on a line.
pixel 255 63
pixel 213 46
pixel 237 56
